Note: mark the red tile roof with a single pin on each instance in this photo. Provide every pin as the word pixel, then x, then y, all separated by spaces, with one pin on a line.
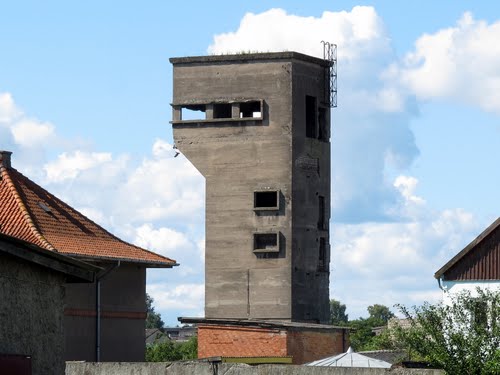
pixel 32 214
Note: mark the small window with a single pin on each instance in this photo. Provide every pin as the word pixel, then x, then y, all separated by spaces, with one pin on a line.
pixel 222 110
pixel 265 242
pixel 250 109
pixel 322 259
pixel 321 213
pixel 266 200
pixel 311 131
pixel 193 112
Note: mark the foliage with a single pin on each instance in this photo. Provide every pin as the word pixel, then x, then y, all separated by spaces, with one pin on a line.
pixel 169 351
pixel 153 319
pixel 462 337
pixel 362 336
pixel 338 317
pixel 379 314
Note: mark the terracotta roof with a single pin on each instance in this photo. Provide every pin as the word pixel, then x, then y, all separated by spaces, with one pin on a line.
pixel 469 249
pixel 32 214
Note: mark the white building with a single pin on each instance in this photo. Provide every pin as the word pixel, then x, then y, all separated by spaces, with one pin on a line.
pixel 477 265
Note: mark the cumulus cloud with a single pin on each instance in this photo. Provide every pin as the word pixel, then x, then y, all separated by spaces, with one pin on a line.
pixel 372 120
pixel 459 62
pixel 188 298
pixel 8 109
pixel 394 262
pixel 70 165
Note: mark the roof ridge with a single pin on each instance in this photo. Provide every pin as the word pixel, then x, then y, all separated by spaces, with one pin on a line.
pixel 476 241
pixel 24 210
pixel 68 207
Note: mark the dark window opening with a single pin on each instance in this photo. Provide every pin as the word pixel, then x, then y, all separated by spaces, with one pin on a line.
pixel 265 242
pixel 321 213
pixel 322 260
pixel 250 109
pixel 193 112
pixel 311 131
pixel 322 122
pixel 222 110
pixel 266 200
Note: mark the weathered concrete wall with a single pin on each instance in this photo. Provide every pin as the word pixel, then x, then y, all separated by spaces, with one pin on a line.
pixel 310 183
pixel 191 368
pixel 31 314
pixel 122 316
pixel 239 158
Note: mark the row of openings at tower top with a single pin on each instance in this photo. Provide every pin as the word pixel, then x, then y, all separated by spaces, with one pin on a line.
pixel 268 244
pixel 251 109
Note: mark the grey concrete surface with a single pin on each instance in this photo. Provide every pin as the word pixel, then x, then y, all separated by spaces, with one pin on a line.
pixel 272 151
pixel 197 368
pixel 31 314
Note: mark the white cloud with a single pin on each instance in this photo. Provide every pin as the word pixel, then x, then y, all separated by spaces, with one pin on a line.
pixel 29 132
pixel 188 298
pixel 69 165
pixel 459 62
pixel 8 109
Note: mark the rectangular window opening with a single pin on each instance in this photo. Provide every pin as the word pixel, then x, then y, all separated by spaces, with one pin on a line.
pixel 266 200
pixel 322 260
pixel 322 122
pixel 193 112
pixel 321 213
pixel 222 110
pixel 250 109
pixel 311 131
pixel 265 242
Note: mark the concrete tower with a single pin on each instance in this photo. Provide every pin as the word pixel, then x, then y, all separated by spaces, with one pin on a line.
pixel 257 126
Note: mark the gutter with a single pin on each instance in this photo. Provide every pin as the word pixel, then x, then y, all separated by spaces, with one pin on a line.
pixel 99 277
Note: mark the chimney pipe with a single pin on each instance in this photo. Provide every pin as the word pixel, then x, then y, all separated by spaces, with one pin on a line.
pixel 5 158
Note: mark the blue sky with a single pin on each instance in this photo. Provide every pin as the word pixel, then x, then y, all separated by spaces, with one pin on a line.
pixel 84 104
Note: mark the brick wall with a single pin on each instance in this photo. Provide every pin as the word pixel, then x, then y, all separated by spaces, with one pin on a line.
pixel 228 341
pixel 307 346
pixel 302 344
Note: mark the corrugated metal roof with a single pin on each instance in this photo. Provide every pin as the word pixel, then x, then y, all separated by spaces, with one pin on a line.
pixel 350 359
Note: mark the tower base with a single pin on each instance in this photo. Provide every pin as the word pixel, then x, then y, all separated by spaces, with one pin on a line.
pixel 245 339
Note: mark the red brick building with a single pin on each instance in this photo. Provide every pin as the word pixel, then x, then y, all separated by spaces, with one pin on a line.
pixel 302 342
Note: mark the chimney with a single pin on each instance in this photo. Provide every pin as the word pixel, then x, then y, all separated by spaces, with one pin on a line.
pixel 5 158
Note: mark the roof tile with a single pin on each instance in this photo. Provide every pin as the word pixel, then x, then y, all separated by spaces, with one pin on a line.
pixel 30 213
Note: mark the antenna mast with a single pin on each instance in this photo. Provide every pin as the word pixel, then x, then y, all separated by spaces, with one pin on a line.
pixel 330 55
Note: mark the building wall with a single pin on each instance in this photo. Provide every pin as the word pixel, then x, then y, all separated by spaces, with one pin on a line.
pixel 310 181
pixel 451 288
pixel 206 368
pixel 123 313
pixel 304 345
pixel 308 346
pixel 31 314
pixel 241 342
pixel 238 158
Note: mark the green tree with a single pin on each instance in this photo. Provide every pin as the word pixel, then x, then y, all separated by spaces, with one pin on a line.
pixel 338 317
pixel 153 319
pixel 462 337
pixel 169 351
pixel 379 314
pixel 362 336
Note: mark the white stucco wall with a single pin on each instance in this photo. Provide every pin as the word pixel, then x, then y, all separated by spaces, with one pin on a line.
pixel 453 287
